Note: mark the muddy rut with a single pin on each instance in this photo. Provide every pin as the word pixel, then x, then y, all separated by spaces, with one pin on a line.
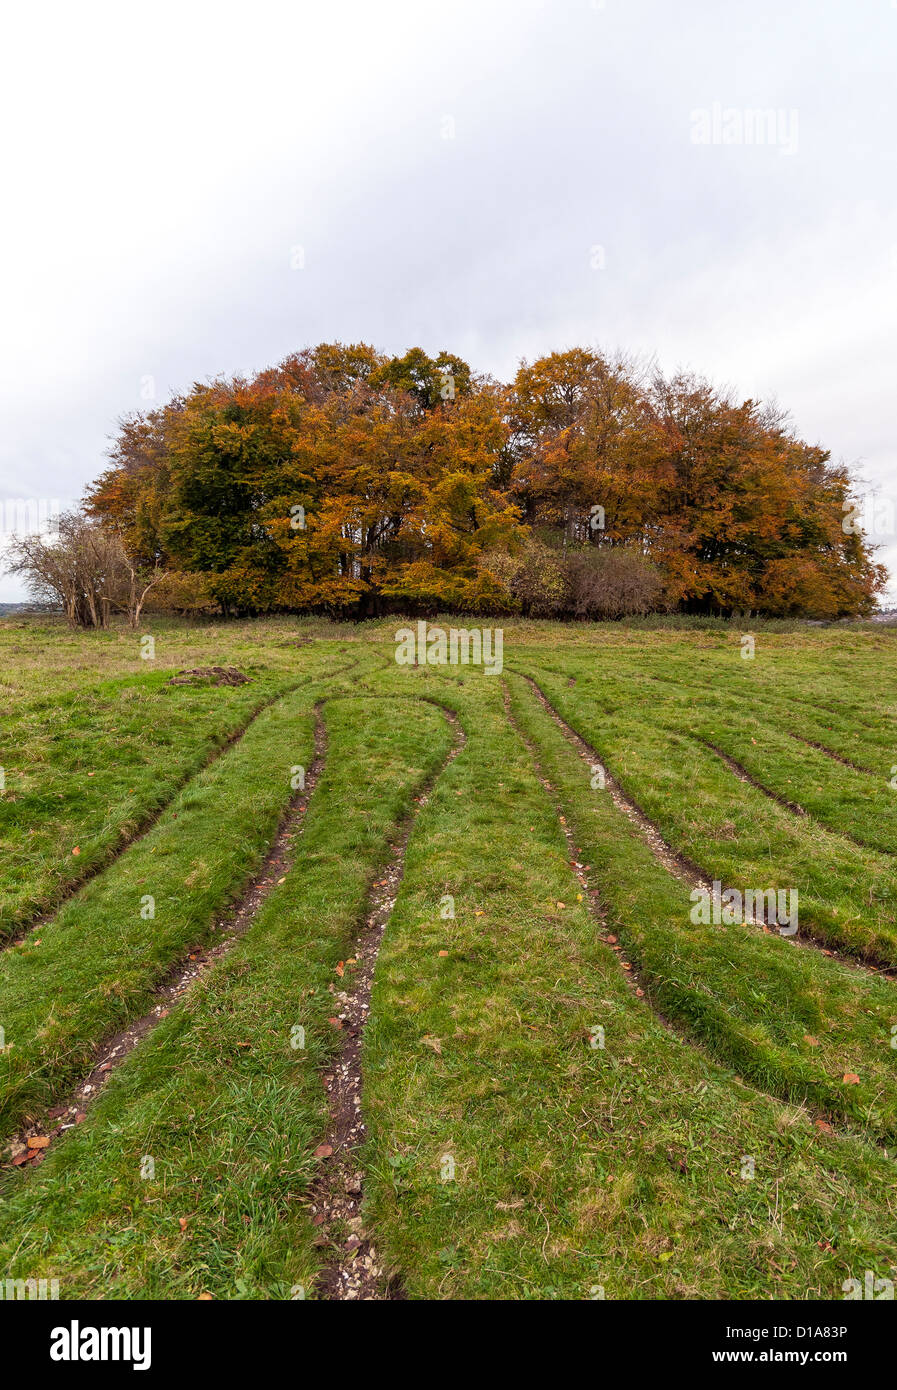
pixel 353 1269
pixel 30 1144
pixel 683 868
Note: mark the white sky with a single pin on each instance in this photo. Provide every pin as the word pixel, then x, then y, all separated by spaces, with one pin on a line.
pixel 161 162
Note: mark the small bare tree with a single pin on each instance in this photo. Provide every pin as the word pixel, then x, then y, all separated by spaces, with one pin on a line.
pixel 140 581
pixel 85 567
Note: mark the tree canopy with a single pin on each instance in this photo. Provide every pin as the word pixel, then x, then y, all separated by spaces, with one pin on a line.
pixel 349 482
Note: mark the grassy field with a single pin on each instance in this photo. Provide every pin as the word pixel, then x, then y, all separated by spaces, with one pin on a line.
pixel 364 980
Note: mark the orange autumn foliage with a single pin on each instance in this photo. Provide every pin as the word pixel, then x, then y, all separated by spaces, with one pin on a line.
pixel 348 482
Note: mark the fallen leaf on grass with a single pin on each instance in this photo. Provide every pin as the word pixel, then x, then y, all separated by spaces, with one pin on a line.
pixel 182 1222
pixel 435 1043
pixel 443 953
pixel 851 1078
pixel 76 850
pixel 323 1151
pixel 341 969
pixel 824 1126
pixel 38 1141
pixel 808 1038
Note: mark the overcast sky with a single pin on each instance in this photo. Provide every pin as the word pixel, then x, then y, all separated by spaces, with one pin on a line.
pixel 193 188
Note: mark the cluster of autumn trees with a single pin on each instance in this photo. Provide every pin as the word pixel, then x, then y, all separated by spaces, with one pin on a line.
pixel 348 482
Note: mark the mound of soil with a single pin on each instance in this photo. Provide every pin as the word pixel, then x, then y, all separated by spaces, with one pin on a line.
pixel 210 675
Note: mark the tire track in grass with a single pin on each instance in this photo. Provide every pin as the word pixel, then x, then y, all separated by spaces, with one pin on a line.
pixel 743 775
pixel 92 972
pixel 572 1165
pixel 670 859
pixel 741 772
pixel 815 705
pixel 690 992
pixel 676 863
pixel 592 895
pixel 769 722
pixel 830 753
pixel 221 1097
pixel 29 1145
pixel 354 1271
pixel 146 826
pixel 639 984
pixel 774 715
pixel 34 923
pixel 847 820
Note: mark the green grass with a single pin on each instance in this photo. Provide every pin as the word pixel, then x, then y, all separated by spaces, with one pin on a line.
pixel 793 1021
pixel 226 1108
pixel 92 969
pixel 773 745
pixel 575 1167
pixel 88 767
pixel 731 830
pixel 709 1149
